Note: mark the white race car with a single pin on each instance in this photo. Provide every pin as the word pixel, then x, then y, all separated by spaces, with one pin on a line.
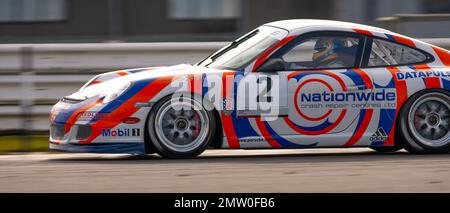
pixel 286 84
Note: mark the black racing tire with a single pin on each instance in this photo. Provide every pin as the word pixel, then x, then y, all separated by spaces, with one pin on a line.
pixel 417 119
pixel 169 129
pixel 386 149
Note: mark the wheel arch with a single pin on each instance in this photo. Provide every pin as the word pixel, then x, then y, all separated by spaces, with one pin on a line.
pixel 218 135
pixel 396 119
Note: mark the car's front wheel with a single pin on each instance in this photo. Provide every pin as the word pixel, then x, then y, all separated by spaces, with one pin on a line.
pixel 424 122
pixel 180 127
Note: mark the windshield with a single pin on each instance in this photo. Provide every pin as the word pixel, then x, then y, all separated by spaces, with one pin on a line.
pixel 245 49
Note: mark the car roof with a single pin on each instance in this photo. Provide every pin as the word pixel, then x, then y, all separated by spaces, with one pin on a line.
pixel 296 24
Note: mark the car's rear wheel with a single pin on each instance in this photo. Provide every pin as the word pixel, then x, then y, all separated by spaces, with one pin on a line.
pixel 180 127
pixel 424 122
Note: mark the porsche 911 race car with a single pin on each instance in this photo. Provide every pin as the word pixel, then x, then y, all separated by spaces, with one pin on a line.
pixel 286 84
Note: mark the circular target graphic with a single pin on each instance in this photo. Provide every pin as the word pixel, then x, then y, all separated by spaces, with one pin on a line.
pixel 323 122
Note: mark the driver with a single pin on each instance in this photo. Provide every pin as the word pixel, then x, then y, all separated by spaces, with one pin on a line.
pixel 326 54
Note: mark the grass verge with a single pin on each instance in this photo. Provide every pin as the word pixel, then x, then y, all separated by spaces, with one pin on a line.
pixel 18 144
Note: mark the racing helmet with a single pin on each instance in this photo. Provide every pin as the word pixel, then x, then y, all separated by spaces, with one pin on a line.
pixel 325 50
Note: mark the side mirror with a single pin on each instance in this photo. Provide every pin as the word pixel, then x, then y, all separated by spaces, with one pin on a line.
pixel 272 65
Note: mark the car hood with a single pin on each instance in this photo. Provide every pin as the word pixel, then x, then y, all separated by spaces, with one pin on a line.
pixel 177 70
pixel 154 72
pixel 102 87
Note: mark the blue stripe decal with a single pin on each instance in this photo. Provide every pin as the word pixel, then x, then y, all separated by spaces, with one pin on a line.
pixel 356 78
pixel 110 107
pixel 205 88
pixel 445 83
pixel 131 148
pixel 386 119
pixel 321 126
pixel 303 74
pixel 377 143
pixel 138 86
pixel 283 142
pixel 362 113
pixel 243 128
pixel 391 84
pixel 385 122
pixel 390 37
pixel 65 114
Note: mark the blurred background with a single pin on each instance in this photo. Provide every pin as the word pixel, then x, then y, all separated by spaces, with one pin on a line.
pixel 193 20
pixel 49 48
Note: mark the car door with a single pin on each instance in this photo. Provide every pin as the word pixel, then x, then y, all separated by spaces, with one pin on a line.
pixel 322 97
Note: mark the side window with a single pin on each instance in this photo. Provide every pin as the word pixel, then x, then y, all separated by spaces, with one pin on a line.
pixel 322 52
pixel 386 53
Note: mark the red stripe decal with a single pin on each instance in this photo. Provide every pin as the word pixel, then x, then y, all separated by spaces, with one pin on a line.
pixel 319 132
pixel 362 129
pixel 95 82
pixel 404 40
pixel 195 84
pixel 266 134
pixel 296 100
pixel 364 32
pixel 340 81
pixel 369 112
pixel 365 77
pixel 74 117
pixel 227 120
pixel 430 82
pixel 402 95
pixel 338 120
pixel 433 82
pixel 56 142
pixel 444 55
pixel 127 108
pixel 261 59
pixel 121 73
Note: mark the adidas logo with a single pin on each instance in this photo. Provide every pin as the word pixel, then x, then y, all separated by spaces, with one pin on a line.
pixel 379 135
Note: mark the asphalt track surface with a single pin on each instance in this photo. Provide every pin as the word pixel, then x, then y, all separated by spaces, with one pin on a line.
pixel 313 170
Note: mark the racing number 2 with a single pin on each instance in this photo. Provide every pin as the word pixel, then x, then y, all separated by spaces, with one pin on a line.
pixel 263 95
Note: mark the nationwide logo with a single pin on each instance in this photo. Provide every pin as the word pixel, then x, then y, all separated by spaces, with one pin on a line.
pixel 121 132
pixel 362 96
pixel 379 135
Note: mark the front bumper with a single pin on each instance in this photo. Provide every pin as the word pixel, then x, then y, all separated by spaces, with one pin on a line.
pixel 79 127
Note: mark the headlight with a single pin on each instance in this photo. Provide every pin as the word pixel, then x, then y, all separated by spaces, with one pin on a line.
pixel 116 91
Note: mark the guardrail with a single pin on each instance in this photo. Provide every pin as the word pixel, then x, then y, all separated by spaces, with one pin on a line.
pixel 34 76
pixel 100 57
pixel 405 17
pixel 430 24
